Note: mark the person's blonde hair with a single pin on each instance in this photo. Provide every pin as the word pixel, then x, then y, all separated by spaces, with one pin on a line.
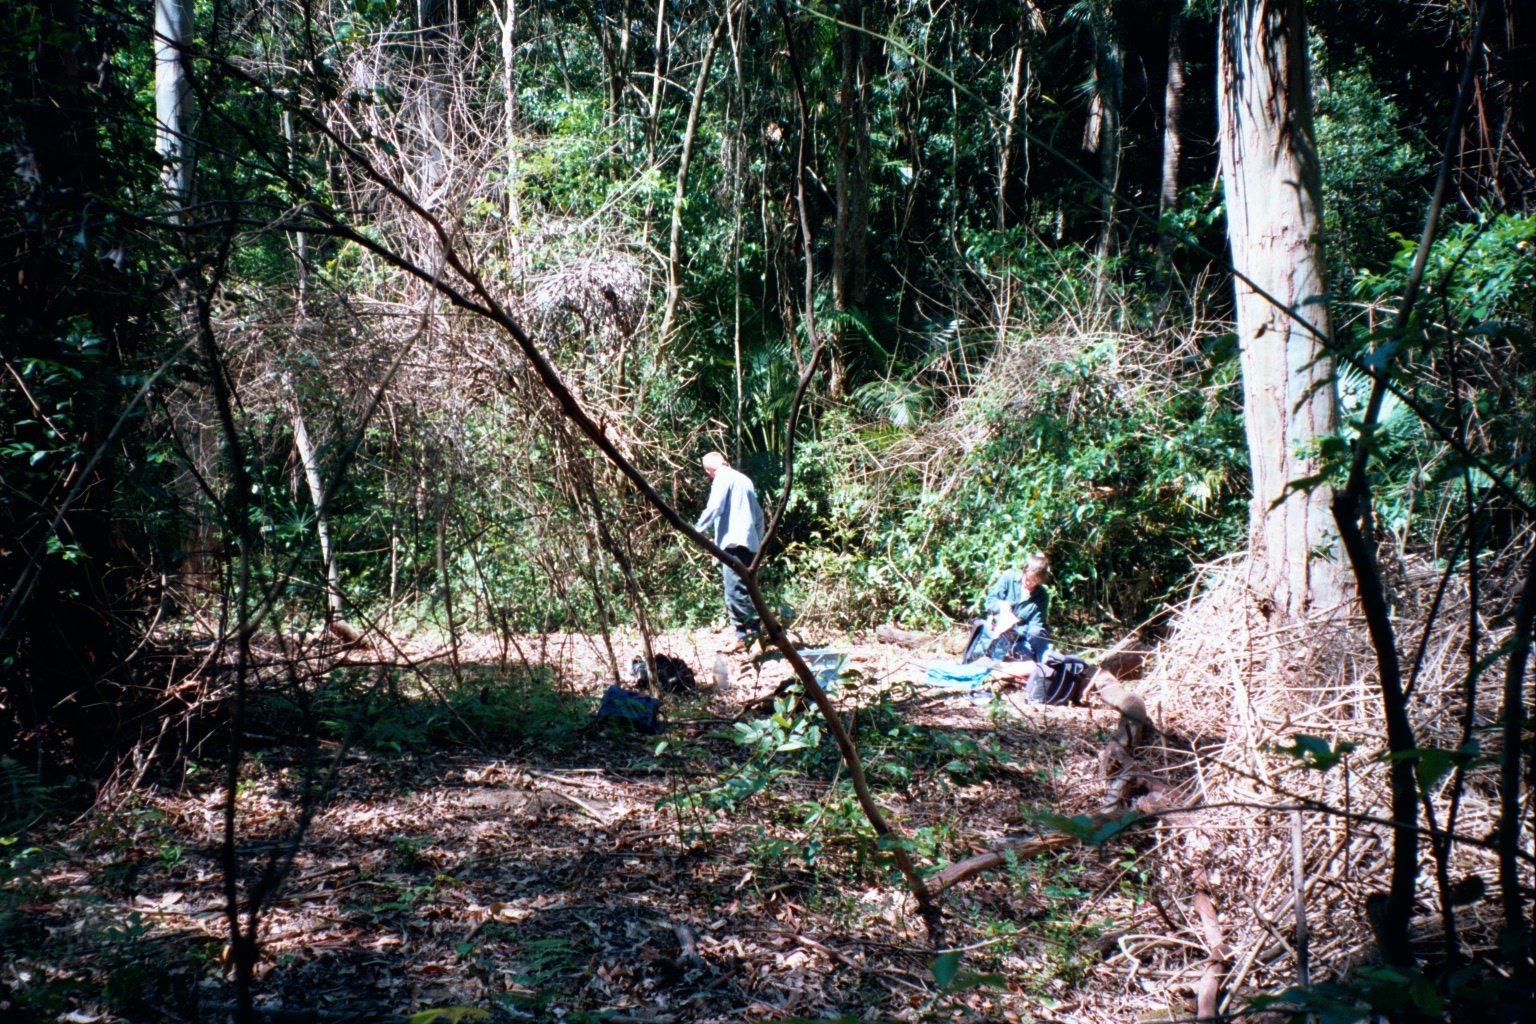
pixel 1037 567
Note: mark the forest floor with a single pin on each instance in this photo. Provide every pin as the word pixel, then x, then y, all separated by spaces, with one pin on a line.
pixel 551 871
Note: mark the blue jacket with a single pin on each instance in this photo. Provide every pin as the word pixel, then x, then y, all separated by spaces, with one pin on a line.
pixel 733 511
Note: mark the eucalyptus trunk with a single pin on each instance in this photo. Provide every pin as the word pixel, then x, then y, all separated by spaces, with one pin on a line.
pixel 1273 189
pixel 173 97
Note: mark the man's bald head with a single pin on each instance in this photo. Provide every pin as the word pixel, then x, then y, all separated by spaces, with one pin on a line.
pixel 712 463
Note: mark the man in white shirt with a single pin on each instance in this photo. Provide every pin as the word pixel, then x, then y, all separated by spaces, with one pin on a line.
pixel 738 521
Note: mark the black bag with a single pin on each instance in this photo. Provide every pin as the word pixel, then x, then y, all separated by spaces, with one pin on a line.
pixel 1010 645
pixel 975 647
pixel 1065 676
pixel 635 709
pixel 673 674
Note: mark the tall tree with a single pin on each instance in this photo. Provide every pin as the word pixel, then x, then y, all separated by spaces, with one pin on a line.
pixel 173 31
pixel 1015 101
pixel 850 237
pixel 1103 135
pixel 1273 189
pixel 1173 127
pixel 680 192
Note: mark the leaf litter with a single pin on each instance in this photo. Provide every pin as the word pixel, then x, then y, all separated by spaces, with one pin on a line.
pixel 568 881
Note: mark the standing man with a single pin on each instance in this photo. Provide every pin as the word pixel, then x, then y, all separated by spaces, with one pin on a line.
pixel 738 521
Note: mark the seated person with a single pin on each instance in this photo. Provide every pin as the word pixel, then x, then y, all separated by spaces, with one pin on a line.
pixel 1020 601
pixel 1014 636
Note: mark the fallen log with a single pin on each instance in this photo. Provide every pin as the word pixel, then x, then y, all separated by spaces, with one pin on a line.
pixel 1021 850
pixel 1216 948
pixel 889 634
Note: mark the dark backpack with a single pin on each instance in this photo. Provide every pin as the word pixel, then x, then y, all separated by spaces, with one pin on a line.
pixel 673 674
pixel 1009 645
pixel 1065 676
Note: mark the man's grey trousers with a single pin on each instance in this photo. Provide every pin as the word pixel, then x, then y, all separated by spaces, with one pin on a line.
pixel 738 603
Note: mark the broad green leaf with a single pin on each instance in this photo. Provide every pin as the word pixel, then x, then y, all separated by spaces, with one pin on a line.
pixel 945 967
pixel 1314 754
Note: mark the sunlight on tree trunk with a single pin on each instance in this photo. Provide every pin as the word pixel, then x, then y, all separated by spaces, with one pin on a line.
pixel 506 21
pixel 322 520
pixel 1274 217
pixel 173 97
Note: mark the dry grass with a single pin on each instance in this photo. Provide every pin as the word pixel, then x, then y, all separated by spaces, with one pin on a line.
pixel 1226 691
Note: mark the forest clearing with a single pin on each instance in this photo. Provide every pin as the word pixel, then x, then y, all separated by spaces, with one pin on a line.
pixel 761 510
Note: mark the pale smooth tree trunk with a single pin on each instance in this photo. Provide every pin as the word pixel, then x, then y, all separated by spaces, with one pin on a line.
pixel 173 97
pixel 1173 128
pixel 738 143
pixel 322 519
pixel 1270 174
pixel 506 21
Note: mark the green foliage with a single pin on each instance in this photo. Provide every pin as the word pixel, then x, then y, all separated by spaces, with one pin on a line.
pixel 1126 484
pixel 951 979
pixel 1381 989
pixel 1432 764
pixel 449 1014
pixel 1315 754
pixel 1083 829
pixel 1370 164
pixel 416 712
pixel 1065 934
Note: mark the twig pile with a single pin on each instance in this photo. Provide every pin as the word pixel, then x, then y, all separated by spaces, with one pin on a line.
pixel 1226 692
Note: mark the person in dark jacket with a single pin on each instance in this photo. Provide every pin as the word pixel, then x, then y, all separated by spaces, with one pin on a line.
pixel 1018 600
pixel 1014 636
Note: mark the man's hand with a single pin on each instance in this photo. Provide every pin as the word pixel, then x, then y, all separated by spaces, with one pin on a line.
pixel 1004 620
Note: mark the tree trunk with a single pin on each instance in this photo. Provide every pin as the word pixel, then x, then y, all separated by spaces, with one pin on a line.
pixel 444 582
pixel 1274 220
pixel 738 145
pixel 1015 103
pixel 506 21
pixel 173 98
pixel 658 71
pixel 1173 129
pixel 850 237
pixel 322 518
pixel 675 246
pixel 1011 99
pixel 1104 128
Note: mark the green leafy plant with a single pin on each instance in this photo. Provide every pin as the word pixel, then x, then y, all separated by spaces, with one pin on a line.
pixel 449 1014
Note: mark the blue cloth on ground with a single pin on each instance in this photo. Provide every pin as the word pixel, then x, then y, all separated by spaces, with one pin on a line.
pixel 955 676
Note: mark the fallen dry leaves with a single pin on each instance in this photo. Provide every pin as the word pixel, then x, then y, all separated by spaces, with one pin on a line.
pixel 548 884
